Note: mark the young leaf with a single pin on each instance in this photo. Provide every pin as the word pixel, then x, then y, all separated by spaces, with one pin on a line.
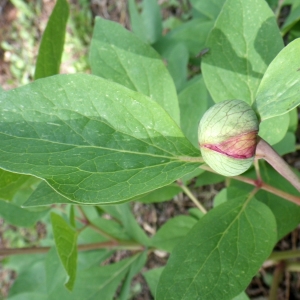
pixel 45 195
pixel 120 56
pixel 160 195
pixel 211 9
pixel 192 34
pixel 193 104
pixel 220 255
pixel 18 216
pixel 66 244
pixel 278 91
pixel 52 44
pixel 172 232
pixel 11 183
pixel 147 25
pixel 274 129
pixel 92 140
pixel 152 278
pixel 240 50
pixel 123 213
pixel 134 269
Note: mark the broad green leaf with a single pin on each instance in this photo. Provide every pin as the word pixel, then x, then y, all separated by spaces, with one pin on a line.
pixel 293 120
pixel 177 61
pixel 220 198
pixel 152 278
pixel 172 232
pixel 42 280
pixel 192 34
pixel 196 213
pixel 147 25
pixel 134 269
pixel 120 56
pixel 209 178
pixel 286 145
pixel 193 104
pixel 123 213
pixel 278 92
pixel 221 254
pixel 11 183
pixel 160 195
pixel 18 216
pixel 274 129
pixel 52 44
pixel 45 195
pixel 240 49
pixel 66 245
pixel 210 9
pixel 287 214
pixel 92 140
pixel 241 296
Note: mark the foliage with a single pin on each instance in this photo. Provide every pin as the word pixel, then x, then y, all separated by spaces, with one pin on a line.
pixel 83 146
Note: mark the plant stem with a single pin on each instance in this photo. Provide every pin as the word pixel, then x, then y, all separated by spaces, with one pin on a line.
pixel 284 255
pixel 265 151
pixel 84 247
pixel 263 186
pixel 277 276
pixel 191 196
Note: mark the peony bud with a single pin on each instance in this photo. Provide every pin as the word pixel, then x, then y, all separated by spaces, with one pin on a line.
pixel 227 137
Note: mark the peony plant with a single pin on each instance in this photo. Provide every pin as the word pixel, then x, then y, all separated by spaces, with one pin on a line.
pixel 77 150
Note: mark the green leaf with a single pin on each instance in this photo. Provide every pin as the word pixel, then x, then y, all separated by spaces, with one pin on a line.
pixel 134 269
pixel 147 25
pixel 66 244
pixel 240 50
pixel 160 195
pixel 293 120
pixel 221 254
pixel 274 129
pixel 45 195
pixel 241 296
pixel 278 92
pixel 287 214
pixel 210 9
pixel 11 183
pixel 209 178
pixel 172 232
pixel 123 213
pixel 120 56
pixel 177 60
pixel 192 34
pixel 18 216
pixel 220 198
pixel 111 227
pixel 114 145
pixel 193 105
pixel 291 20
pixel 286 145
pixel 152 278
pixel 52 44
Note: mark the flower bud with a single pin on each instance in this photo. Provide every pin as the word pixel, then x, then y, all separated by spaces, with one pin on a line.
pixel 227 136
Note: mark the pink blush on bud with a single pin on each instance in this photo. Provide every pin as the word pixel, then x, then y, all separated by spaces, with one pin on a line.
pixel 242 146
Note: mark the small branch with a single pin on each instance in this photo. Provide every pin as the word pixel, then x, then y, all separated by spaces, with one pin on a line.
pixel 84 247
pixel 265 151
pixel 277 276
pixel 191 196
pixel 263 186
pixel 283 255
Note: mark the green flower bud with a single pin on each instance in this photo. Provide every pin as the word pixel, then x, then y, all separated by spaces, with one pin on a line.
pixel 227 137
